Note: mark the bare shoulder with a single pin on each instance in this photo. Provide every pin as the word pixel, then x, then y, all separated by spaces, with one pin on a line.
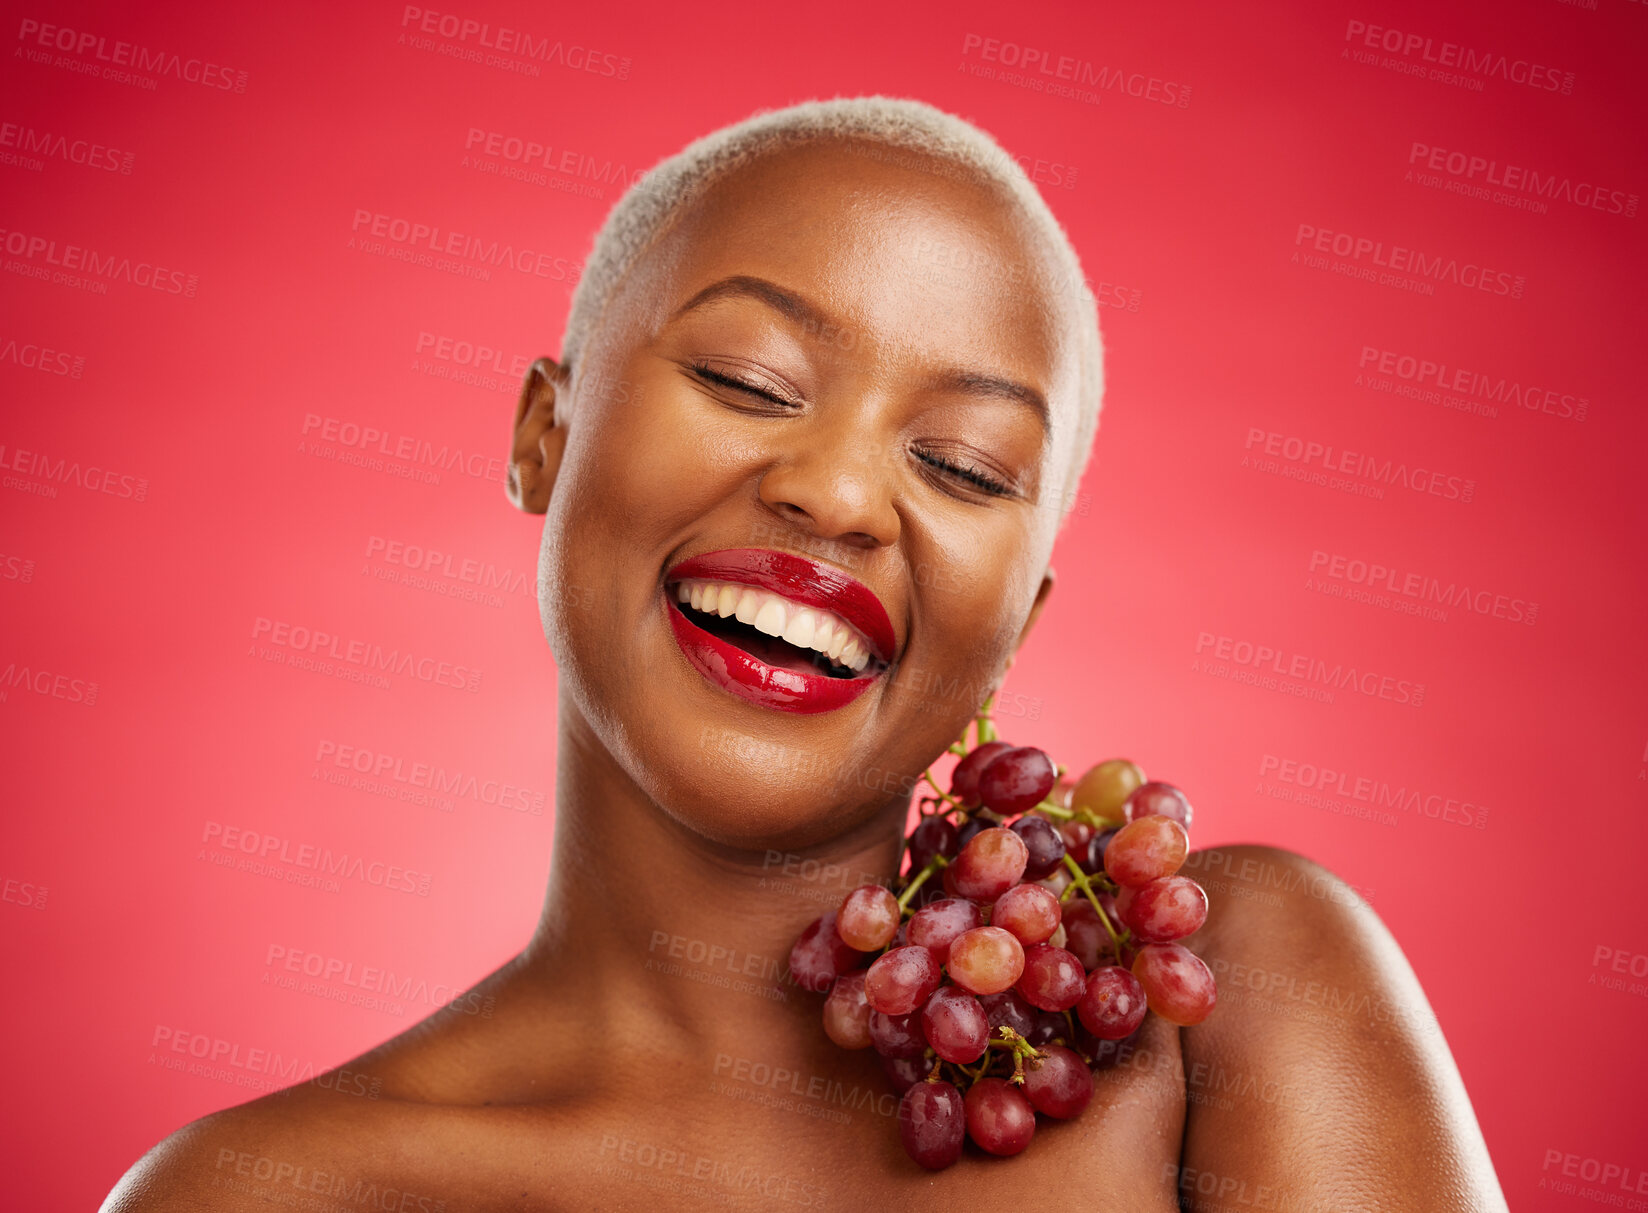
pixel 1322 1076
pixel 380 1129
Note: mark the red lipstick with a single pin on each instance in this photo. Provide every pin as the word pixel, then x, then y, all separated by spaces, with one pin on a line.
pixel 801 581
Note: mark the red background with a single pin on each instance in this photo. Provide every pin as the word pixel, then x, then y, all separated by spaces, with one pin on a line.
pixel 1187 217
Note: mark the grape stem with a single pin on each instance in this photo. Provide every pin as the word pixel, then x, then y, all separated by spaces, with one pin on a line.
pixel 942 794
pixel 984 726
pixel 933 865
pixel 1023 1050
pixel 1086 817
pixel 1078 879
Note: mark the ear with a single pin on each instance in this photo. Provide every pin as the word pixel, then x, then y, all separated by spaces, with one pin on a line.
pixel 1042 593
pixel 539 436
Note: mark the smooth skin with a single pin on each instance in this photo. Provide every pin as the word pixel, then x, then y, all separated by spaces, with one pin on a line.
pixel 874 431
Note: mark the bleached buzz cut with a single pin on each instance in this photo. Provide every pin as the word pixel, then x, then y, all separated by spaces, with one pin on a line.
pixel 651 205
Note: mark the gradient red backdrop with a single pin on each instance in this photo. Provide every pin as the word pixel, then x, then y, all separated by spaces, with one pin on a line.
pixel 1371 283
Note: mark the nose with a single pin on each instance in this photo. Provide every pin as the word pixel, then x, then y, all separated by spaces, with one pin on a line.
pixel 836 487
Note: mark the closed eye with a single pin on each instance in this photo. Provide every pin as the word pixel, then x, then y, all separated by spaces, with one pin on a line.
pixel 703 371
pixel 975 476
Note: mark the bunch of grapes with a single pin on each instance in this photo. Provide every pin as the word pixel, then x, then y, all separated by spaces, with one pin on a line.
pixel 1022 949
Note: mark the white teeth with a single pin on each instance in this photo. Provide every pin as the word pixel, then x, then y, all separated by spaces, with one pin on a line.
pixel 771 617
pixel 800 629
pixel 804 627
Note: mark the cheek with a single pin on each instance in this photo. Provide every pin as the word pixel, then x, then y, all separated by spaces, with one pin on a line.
pixel 646 471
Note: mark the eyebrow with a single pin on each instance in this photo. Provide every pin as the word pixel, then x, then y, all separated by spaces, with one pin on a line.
pixel 804 312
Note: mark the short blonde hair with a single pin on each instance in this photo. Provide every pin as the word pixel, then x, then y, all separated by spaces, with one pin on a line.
pixel 647 209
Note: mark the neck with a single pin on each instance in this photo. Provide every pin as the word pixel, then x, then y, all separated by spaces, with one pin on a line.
pixel 664 935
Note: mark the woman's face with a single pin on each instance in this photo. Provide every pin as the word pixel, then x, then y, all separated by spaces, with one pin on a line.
pixel 836 400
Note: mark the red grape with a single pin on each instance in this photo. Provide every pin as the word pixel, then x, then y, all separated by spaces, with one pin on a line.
pixel 1027 910
pixel 1144 850
pixel 936 926
pixel 1075 835
pixel 905 1072
pixel 1105 788
pixel 1158 799
pixel 1179 986
pixel 1085 935
pixel 867 918
pixel 900 980
pixel 989 865
pixel 1058 1083
pixel 1091 857
pixel 897 1036
pixel 986 960
pixel 1057 881
pixel 932 1124
pixel 1017 780
pixel 1045 844
pixel 955 1025
pixel 1049 1026
pixel 1104 1054
pixel 1053 979
pixel 964 780
pixel 821 955
pixel 1114 1004
pixel 1010 1010
pixel 847 1014
pixel 933 836
pixel 999 1117
pixel 1163 910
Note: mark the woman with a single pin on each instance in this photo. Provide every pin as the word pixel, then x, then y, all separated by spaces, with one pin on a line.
pixel 828 383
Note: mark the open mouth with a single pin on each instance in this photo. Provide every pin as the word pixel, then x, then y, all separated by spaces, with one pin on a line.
pixel 775 631
pixel 778 629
